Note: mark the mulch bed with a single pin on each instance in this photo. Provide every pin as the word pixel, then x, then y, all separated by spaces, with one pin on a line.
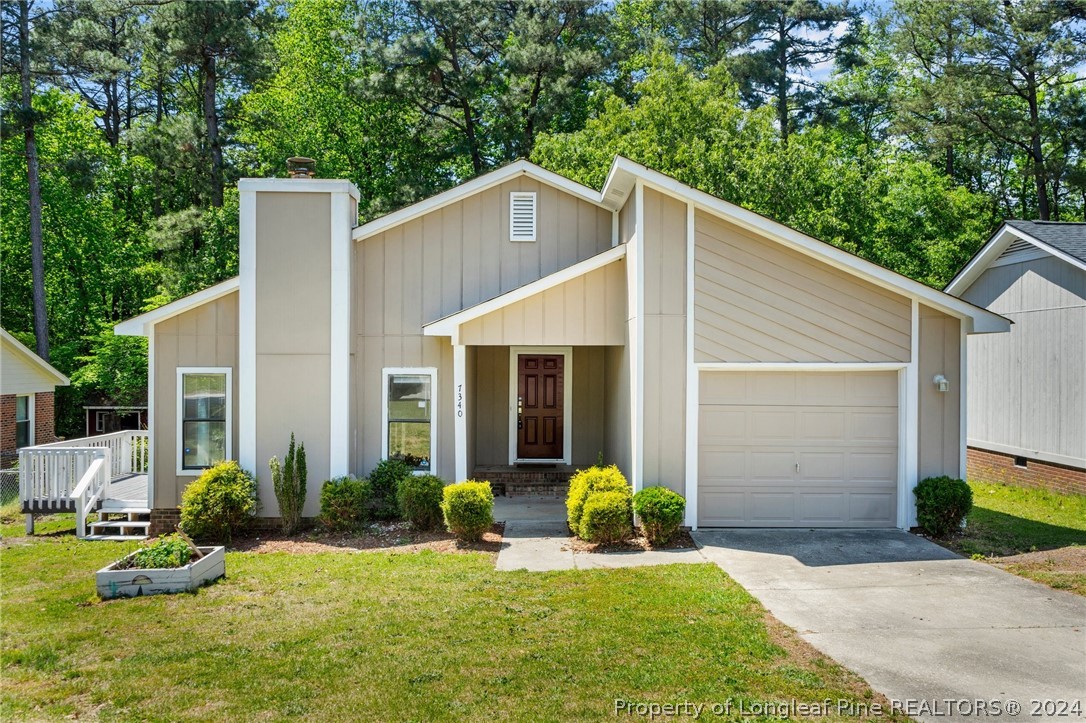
pixel 379 537
pixel 680 541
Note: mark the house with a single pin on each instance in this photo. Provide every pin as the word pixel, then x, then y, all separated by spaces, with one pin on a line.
pixel 1027 395
pixel 521 325
pixel 27 383
pixel 106 418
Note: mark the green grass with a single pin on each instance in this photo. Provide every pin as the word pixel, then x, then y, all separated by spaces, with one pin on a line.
pixel 1008 520
pixel 376 636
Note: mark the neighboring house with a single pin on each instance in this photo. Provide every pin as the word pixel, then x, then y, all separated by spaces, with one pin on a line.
pixel 107 418
pixel 1027 395
pixel 26 398
pixel 521 325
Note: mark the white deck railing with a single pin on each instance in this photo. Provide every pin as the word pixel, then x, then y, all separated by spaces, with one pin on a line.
pixel 50 473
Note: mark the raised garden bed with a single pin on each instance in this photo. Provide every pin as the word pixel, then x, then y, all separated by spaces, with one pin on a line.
pixel 114 582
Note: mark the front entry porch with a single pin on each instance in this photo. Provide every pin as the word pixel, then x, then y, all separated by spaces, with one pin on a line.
pixel 543 480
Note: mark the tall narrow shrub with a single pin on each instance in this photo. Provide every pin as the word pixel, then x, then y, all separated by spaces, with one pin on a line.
pixel 289 483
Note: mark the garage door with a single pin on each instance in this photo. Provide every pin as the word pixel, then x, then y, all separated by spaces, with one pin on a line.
pixel 798 449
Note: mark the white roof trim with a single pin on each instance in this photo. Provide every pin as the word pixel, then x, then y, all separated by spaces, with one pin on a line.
pixel 296 185
pixel 141 325
pixel 25 351
pixel 983 259
pixel 983 321
pixel 488 180
pixel 450 325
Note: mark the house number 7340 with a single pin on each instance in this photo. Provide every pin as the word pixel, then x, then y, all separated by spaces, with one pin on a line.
pixel 460 400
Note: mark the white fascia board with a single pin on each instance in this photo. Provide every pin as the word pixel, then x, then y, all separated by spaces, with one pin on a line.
pixel 449 325
pixel 25 351
pixel 141 325
pixel 298 185
pixel 982 320
pixel 992 250
pixel 475 185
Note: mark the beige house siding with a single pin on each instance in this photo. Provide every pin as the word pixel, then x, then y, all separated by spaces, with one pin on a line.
pixel 617 405
pixel 206 336
pixel 665 341
pixel 1027 389
pixel 589 309
pixel 443 262
pixel 939 412
pixel 756 300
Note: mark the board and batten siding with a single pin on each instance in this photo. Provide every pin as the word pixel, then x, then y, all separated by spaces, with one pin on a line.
pixel 206 336
pixel 1027 388
pixel 443 262
pixel 939 412
pixel 665 341
pixel 588 309
pixel 757 301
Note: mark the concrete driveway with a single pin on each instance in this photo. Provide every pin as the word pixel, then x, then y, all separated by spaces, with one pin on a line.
pixel 915 620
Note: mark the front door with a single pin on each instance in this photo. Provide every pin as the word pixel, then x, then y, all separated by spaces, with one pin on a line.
pixel 539 406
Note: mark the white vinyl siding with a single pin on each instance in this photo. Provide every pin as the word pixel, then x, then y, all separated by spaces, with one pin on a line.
pixel 522 215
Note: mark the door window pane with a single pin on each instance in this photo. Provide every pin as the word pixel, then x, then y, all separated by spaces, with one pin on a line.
pixel 203 432
pixel 409 422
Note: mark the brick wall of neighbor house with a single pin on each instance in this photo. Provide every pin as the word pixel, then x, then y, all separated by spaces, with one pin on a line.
pixel 987 466
pixel 7 428
pixel 44 421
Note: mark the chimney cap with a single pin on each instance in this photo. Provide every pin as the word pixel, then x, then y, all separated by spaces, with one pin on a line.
pixel 301 167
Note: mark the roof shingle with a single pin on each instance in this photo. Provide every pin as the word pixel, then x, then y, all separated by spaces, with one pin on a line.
pixel 1066 236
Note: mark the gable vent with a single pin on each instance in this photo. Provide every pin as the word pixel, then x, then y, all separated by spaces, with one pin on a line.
pixel 522 216
pixel 1017 247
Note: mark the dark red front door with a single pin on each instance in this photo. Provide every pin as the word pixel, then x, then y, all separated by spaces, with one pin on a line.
pixel 539 406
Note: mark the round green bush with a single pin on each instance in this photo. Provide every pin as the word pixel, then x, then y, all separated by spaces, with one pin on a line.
pixel 468 508
pixel 345 503
pixel 218 503
pixel 384 480
pixel 587 481
pixel 661 512
pixel 606 517
pixel 419 498
pixel 941 504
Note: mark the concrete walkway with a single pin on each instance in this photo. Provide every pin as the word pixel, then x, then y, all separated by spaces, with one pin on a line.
pixel 915 620
pixel 536 539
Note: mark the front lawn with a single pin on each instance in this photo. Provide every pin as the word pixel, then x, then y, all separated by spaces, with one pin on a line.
pixel 388 636
pixel 1031 532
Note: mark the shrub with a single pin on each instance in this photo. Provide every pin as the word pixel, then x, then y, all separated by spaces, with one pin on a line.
pixel 606 517
pixel 661 512
pixel 468 508
pixel 419 498
pixel 166 552
pixel 289 484
pixel 587 481
pixel 218 502
pixel 345 503
pixel 941 504
pixel 384 480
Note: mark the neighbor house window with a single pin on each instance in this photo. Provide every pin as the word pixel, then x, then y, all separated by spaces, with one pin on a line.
pixel 24 425
pixel 409 414
pixel 203 426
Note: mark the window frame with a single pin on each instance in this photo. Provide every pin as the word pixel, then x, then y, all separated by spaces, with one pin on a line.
pixel 388 372
pixel 533 196
pixel 30 404
pixel 179 399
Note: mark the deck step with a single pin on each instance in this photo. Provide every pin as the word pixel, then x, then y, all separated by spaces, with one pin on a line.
pixel 115 538
pixel 125 510
pixel 119 524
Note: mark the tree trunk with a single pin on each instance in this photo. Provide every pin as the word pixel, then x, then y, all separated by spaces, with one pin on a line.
pixel 33 182
pixel 211 121
pixel 782 80
pixel 1036 152
pixel 950 161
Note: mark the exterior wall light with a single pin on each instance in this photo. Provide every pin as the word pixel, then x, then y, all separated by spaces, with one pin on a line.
pixel 942 383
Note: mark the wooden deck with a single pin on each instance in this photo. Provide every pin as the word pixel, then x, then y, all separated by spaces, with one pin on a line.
pixel 130 488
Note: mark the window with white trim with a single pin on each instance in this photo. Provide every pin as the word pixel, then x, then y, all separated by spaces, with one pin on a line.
pixel 522 215
pixel 203 425
pixel 409 416
pixel 24 425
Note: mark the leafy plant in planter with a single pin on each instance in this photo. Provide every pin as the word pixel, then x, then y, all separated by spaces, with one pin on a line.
pixel 166 552
pixel 941 504
pixel 661 512
pixel 218 503
pixel 289 483
pixel 384 481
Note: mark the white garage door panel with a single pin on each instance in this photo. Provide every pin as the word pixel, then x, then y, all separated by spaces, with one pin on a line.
pixel 783 449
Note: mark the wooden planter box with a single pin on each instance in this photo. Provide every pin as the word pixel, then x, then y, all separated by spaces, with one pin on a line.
pixel 113 583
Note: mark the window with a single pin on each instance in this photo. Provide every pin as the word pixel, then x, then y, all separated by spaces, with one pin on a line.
pixel 409 415
pixel 203 426
pixel 24 425
pixel 99 421
pixel 522 213
pixel 1021 462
